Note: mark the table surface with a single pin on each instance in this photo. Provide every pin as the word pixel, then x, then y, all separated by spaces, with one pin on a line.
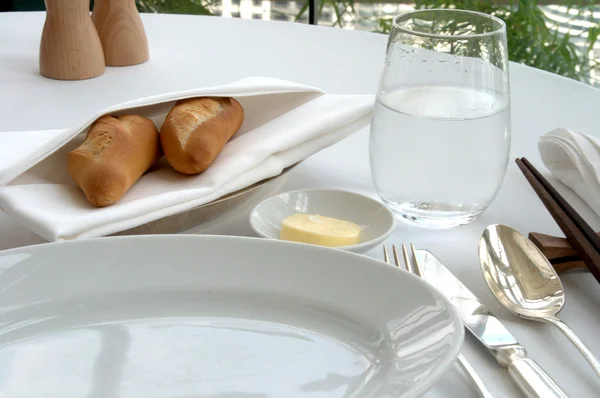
pixel 192 51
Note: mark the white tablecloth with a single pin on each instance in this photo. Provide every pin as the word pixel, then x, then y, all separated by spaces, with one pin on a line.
pixel 339 62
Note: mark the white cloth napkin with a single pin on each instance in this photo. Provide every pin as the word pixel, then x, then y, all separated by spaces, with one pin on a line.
pixel 574 159
pixel 284 123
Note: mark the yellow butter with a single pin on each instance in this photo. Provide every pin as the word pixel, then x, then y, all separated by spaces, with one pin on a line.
pixel 319 230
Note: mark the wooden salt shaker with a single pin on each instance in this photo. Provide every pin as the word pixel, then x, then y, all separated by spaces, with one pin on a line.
pixel 70 48
pixel 121 32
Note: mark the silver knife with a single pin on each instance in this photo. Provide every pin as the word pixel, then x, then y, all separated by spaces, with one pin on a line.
pixel 527 374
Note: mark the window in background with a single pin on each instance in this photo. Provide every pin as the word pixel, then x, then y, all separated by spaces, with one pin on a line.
pixel 562 39
pixel 581 27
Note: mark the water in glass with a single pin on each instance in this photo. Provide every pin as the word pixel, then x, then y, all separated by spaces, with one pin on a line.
pixel 438 152
pixel 439 143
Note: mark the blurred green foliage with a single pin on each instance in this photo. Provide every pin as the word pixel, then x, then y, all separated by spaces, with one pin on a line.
pixel 530 40
pixel 194 7
pixel 341 8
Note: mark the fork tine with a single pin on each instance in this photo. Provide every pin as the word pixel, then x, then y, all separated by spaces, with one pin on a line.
pixel 418 269
pixel 396 259
pixel 386 257
pixel 409 265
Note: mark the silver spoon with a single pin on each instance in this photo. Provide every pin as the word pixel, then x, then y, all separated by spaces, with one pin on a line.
pixel 524 282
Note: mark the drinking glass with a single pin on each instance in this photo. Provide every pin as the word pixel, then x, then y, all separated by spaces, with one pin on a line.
pixel 440 132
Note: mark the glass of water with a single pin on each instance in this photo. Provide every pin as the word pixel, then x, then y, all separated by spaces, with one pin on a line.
pixel 440 133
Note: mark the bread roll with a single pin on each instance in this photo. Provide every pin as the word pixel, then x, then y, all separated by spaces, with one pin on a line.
pixel 196 130
pixel 115 154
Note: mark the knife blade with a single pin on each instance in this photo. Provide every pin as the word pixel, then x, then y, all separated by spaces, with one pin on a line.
pixel 527 374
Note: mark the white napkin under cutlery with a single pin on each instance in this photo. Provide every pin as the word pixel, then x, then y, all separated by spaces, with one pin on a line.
pixel 284 123
pixel 574 159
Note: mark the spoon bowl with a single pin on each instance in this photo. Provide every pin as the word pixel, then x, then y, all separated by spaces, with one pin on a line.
pixel 523 281
pixel 518 274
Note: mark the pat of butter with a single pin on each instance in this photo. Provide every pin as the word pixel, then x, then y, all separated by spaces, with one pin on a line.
pixel 319 230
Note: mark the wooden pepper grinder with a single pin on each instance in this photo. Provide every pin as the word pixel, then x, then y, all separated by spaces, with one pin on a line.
pixel 70 48
pixel 121 32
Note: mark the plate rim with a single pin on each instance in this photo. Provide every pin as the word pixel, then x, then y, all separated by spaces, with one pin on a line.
pixel 418 388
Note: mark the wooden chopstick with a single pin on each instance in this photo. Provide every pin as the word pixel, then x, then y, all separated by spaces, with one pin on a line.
pixel 571 223
pixel 589 233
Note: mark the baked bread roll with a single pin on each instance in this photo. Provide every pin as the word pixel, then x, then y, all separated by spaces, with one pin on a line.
pixel 115 154
pixel 196 130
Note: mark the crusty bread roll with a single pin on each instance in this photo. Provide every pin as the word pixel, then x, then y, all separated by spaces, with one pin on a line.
pixel 115 154
pixel 196 130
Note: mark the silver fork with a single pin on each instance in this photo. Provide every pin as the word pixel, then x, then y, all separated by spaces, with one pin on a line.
pixel 415 268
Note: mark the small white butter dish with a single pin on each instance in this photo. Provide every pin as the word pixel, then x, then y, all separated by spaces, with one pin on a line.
pixel 377 222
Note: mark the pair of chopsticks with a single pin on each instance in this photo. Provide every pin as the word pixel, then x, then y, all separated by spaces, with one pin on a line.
pixel 580 235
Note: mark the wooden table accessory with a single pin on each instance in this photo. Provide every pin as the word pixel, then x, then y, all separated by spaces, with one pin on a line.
pixel 70 48
pixel 579 234
pixel 121 32
pixel 558 251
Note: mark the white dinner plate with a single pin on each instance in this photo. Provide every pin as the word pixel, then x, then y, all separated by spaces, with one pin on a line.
pixel 207 316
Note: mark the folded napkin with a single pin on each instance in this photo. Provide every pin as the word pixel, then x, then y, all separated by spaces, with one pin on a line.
pixel 284 123
pixel 574 159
